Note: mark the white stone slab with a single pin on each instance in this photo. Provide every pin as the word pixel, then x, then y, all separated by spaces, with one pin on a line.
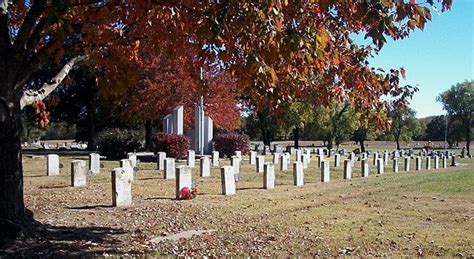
pixel 94 163
pixel 364 165
pixel 347 169
pixel 227 180
pixel 325 173
pixel 191 159
pixel 121 187
pixel 215 158
pixel 205 167
pixel 170 169
pixel 298 175
pixel 183 178
pixel 78 173
pixel 52 165
pixel 269 176
pixel 260 162
pixel 160 159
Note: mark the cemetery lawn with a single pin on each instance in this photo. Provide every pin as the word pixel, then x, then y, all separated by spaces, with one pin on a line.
pixel 426 213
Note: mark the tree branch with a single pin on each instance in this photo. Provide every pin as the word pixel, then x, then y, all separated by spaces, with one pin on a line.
pixel 30 96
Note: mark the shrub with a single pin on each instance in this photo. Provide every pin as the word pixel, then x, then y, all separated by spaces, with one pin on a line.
pixel 174 145
pixel 227 144
pixel 116 143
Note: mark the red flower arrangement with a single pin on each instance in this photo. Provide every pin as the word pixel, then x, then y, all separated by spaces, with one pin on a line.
pixel 187 194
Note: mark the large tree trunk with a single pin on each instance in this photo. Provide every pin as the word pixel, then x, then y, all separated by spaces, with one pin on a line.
pixel 296 136
pixel 398 143
pixel 148 133
pixel 12 208
pixel 91 135
pixel 362 145
pixel 468 139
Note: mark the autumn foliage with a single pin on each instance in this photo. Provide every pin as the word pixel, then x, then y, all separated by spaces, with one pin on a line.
pixel 227 144
pixel 173 145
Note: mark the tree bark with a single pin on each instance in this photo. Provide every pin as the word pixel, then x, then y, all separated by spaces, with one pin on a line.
pixel 362 145
pixel 296 136
pixel 12 208
pixel 398 143
pixel 148 133
pixel 468 139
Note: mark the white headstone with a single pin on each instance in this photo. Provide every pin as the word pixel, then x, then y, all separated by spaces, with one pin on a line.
pixel 298 175
pixel 133 159
pixel 78 173
pixel 276 158
pixel 364 164
pixel 238 154
pixel 269 176
pixel 121 187
pixel 283 163
pixel 52 165
pixel 228 180
pixel 191 159
pixel 126 164
pixel 376 157
pixel 169 172
pixel 380 166
pixel 183 179
pixel 320 159
pixel 436 162
pixel 337 160
pixel 418 163
pixel 347 169
pixel 215 158
pixel 444 162
pixel 407 164
pixel 235 163
pixel 260 162
pixel 385 158
pixel 325 171
pixel 395 165
pixel 161 156
pixel 205 166
pixel 94 163
pixel 305 162
pixel 428 163
pixel 252 157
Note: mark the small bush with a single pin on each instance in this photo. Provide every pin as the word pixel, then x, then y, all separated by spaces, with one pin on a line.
pixel 174 145
pixel 227 144
pixel 116 143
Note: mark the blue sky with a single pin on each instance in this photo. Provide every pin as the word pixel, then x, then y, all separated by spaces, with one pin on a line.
pixel 435 58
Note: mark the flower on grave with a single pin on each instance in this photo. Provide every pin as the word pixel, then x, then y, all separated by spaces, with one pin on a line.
pixel 186 194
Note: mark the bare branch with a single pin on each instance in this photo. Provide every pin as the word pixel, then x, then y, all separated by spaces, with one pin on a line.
pixel 30 96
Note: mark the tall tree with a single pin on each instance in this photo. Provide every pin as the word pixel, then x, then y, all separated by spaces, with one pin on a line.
pixel 403 124
pixel 272 48
pixel 458 101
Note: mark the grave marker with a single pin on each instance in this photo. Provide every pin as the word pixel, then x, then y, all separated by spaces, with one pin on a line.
pixel 78 173
pixel 121 187
pixel 183 178
pixel 269 176
pixel 227 180
pixel 205 167
pixel 52 165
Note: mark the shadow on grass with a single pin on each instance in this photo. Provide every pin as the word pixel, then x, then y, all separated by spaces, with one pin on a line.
pixel 47 241
pixel 87 207
pixel 54 187
pixel 249 188
pixel 161 198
